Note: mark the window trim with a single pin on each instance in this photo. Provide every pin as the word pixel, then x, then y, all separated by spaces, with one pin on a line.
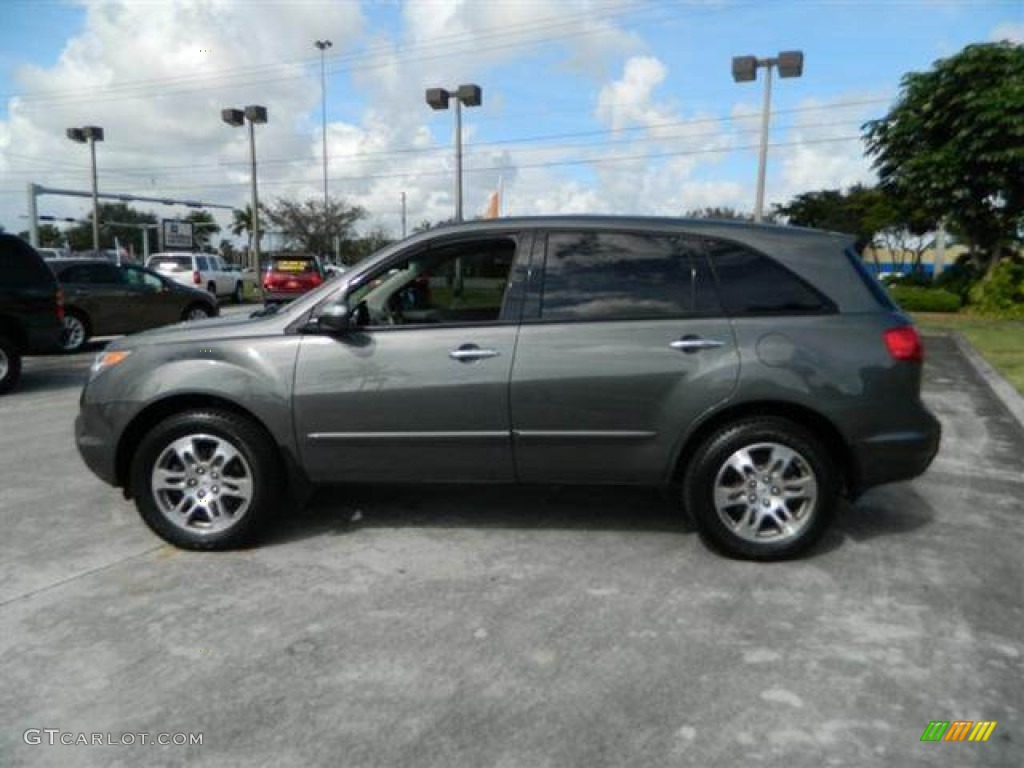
pixel 535 298
pixel 511 310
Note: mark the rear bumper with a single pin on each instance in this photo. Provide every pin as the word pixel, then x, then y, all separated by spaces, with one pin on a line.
pixel 890 457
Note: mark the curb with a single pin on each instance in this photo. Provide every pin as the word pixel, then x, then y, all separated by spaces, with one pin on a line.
pixel 1001 388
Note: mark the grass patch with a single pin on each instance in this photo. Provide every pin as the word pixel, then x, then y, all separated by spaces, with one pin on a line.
pixel 1001 342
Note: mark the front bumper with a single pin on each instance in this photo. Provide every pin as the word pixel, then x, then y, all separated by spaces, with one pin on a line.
pixel 96 442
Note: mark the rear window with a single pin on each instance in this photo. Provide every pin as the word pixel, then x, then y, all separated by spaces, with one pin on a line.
pixel 293 265
pixel 21 265
pixel 171 263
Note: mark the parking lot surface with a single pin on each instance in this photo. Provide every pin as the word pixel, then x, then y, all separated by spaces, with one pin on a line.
pixel 513 627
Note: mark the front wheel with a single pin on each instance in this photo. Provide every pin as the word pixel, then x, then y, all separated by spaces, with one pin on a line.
pixel 761 489
pixel 206 480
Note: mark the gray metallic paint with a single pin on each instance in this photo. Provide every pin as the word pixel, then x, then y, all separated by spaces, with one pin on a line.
pixel 584 402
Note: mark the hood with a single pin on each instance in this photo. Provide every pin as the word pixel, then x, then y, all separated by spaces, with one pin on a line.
pixel 209 330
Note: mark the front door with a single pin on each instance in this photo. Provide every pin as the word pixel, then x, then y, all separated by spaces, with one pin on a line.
pixel 418 391
pixel 621 349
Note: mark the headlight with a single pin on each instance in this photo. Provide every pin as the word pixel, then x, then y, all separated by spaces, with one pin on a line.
pixel 105 360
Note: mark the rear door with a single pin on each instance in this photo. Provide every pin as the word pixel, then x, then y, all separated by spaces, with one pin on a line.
pixel 622 347
pixel 154 302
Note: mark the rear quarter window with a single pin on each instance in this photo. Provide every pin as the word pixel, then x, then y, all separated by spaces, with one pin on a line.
pixel 751 283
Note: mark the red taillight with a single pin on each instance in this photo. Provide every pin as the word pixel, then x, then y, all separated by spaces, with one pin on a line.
pixel 197 278
pixel 316 279
pixel 904 343
pixel 60 304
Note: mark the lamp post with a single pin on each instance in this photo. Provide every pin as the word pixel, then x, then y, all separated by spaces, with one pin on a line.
pixel 744 69
pixel 91 134
pixel 472 96
pixel 236 117
pixel 323 45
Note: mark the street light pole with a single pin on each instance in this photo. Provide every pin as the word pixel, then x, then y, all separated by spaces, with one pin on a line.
pixel 438 98
pixel 744 69
pixel 91 134
pixel 323 45
pixel 237 117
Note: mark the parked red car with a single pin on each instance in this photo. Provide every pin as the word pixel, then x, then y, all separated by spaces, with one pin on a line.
pixel 290 275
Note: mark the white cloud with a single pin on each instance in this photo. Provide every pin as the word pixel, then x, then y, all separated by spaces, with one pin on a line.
pixel 1009 30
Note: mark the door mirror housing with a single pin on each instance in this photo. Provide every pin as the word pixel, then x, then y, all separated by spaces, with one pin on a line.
pixel 334 319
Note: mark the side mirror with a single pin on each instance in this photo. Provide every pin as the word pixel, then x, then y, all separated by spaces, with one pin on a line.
pixel 335 319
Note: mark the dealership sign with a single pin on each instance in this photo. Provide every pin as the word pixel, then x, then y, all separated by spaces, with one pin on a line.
pixel 177 234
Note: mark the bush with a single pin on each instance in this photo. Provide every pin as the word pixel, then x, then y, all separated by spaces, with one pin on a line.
pixel 1001 293
pixel 958 278
pixel 917 299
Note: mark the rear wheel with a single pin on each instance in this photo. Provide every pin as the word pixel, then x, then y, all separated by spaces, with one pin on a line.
pixel 196 312
pixel 206 480
pixel 236 296
pixel 761 489
pixel 10 365
pixel 76 332
pixel 212 288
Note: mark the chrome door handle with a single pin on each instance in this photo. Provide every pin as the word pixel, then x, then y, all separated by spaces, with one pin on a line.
pixel 691 344
pixel 467 353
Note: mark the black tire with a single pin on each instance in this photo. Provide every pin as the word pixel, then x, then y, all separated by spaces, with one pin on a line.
pixel 73 342
pixel 256 450
pixel 187 313
pixel 212 288
pixel 236 295
pixel 10 365
pixel 767 538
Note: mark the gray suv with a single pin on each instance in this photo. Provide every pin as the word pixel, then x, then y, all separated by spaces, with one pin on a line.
pixel 758 371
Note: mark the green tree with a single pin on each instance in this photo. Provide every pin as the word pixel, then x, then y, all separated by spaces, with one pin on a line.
pixel 117 221
pixel 722 212
pixel 953 146
pixel 304 225
pixel 204 226
pixel 358 249
pixel 49 236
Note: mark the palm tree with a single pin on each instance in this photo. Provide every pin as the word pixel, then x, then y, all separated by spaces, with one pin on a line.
pixel 242 222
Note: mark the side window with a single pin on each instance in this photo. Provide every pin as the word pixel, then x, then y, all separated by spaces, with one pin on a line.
pixel 750 283
pixel 79 274
pixel 107 274
pixel 623 276
pixel 202 264
pixel 453 284
pixel 138 278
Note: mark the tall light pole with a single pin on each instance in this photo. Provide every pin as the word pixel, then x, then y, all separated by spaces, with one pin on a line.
pixel 236 117
pixel 91 134
pixel 323 45
pixel 472 96
pixel 744 69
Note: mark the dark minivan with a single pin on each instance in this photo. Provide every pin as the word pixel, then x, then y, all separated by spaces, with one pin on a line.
pixel 758 371
pixel 31 308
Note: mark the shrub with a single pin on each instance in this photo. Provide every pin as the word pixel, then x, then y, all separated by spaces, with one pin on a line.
pixel 958 278
pixel 917 299
pixel 1001 292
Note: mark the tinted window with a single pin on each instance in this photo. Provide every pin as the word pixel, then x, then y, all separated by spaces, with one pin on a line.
pixel 20 264
pixel 142 279
pixel 92 274
pixel 752 283
pixel 617 276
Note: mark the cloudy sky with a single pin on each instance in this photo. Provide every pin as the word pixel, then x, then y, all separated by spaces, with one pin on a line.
pixel 624 106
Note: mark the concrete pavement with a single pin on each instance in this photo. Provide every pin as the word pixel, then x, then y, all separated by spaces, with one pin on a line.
pixel 513 627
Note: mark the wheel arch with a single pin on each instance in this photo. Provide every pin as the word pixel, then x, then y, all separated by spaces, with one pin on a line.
pixel 820 425
pixel 81 314
pixel 152 414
